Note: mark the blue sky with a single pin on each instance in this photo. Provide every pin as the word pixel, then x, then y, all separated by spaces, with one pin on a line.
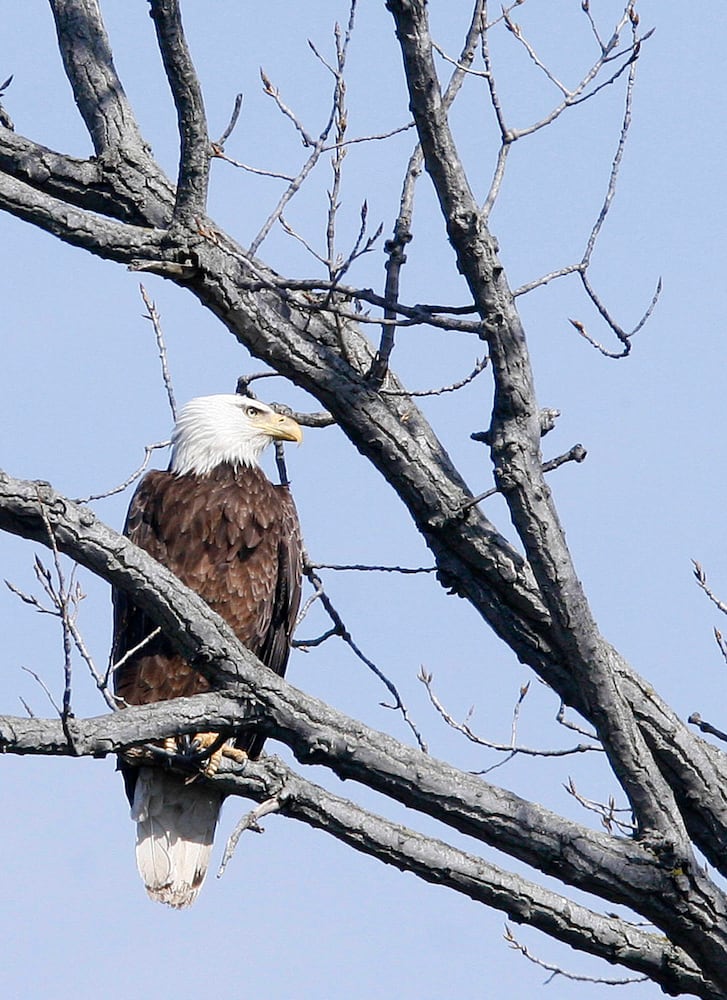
pixel 296 913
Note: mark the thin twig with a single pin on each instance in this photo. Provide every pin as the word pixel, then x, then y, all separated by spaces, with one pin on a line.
pixel 42 683
pixel 221 155
pixel 586 8
pixel 220 144
pixel 575 454
pixel 419 314
pixel 280 464
pixel 378 137
pixel 113 667
pixel 26 706
pixel 336 264
pixel 721 644
pixel 419 317
pixel 571 98
pixel 149 449
pixel 582 270
pixel 522 694
pixel 60 596
pixel 113 701
pixel 516 30
pixel 65 602
pixel 341 121
pixel 343 632
pixel 302 240
pixel 607 812
pixel 560 272
pixel 317 147
pixel 561 720
pixel 155 319
pixel 358 567
pixel 5 119
pixel 511 748
pixel 29 598
pixel 695 719
pixel 306 644
pixel 555 970
pixel 453 387
pixel 395 247
pixel 273 92
pixel 701 578
pixel 362 245
pixel 251 821
pixel 506 137
pixel 579 94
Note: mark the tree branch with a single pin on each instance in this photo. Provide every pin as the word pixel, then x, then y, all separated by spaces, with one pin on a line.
pixel 194 156
pixel 83 183
pixel 104 237
pixel 608 937
pixel 395 248
pixel 515 441
pixel 119 206
pixel 318 734
pixel 89 65
pixel 515 447
pixel 432 860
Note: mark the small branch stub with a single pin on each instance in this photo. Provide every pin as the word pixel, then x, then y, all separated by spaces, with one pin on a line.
pixel 250 821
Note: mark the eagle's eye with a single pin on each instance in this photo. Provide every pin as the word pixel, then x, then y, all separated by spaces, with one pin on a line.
pixel 252 411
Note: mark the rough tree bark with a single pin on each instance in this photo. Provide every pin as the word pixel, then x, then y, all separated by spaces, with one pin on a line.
pixel 120 206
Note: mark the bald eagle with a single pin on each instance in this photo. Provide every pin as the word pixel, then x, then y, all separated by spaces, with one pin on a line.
pixel 218 523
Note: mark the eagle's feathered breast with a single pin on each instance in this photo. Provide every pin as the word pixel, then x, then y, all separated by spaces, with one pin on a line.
pixel 231 536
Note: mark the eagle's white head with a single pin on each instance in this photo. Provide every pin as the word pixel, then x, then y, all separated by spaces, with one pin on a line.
pixel 212 430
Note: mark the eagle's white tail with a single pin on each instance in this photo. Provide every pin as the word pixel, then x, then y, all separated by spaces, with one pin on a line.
pixel 174 832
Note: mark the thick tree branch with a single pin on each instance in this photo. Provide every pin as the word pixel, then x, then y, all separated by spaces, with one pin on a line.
pixel 432 860
pixel 123 180
pixel 89 65
pixel 79 227
pixel 82 183
pixel 608 937
pixel 204 637
pixel 194 150
pixel 102 102
pixel 515 445
pixel 515 441
pixel 319 734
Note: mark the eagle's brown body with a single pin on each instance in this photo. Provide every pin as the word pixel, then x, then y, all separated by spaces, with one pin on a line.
pixel 233 537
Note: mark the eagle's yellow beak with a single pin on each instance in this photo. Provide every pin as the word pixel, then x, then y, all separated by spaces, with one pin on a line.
pixel 282 428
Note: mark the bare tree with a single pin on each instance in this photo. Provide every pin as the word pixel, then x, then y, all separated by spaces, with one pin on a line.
pixel 119 205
